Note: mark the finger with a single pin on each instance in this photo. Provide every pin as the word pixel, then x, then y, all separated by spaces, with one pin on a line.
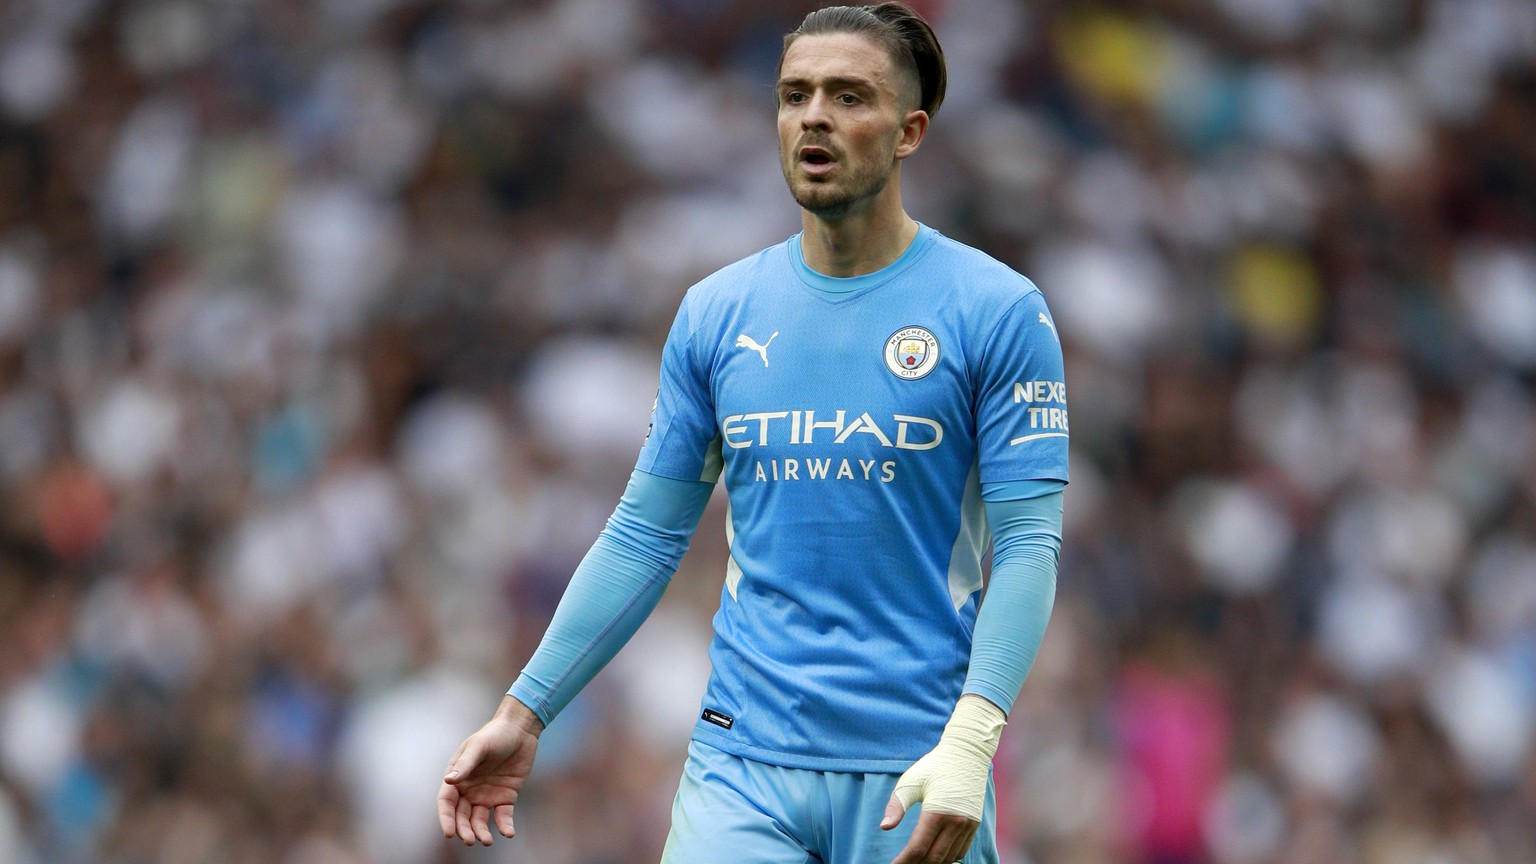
pixel 455 758
pixel 479 817
pixel 504 820
pixel 921 841
pixel 465 763
pixel 903 797
pixel 939 837
pixel 958 836
pixel 894 811
pixel 447 801
pixel 461 814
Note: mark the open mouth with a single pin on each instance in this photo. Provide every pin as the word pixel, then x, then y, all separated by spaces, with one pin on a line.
pixel 816 161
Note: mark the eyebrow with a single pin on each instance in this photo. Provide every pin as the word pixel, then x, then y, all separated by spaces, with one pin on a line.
pixel 831 81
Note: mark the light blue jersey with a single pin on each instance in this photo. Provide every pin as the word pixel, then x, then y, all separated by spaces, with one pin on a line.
pixel 853 422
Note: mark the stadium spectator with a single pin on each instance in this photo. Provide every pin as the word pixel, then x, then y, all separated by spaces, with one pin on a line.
pixel 328 331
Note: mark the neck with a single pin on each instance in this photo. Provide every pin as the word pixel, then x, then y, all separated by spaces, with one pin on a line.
pixel 861 241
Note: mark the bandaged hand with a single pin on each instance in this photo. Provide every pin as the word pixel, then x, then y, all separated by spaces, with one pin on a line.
pixel 952 777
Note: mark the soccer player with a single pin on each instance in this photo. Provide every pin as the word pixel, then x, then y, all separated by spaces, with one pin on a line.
pixel 880 401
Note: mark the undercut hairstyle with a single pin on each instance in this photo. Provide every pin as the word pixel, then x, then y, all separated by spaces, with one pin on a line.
pixel 906 37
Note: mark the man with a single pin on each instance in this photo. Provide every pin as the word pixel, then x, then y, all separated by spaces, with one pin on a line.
pixel 878 399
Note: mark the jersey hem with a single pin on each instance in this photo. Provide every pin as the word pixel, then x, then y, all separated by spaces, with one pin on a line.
pixel 717 738
pixel 670 472
pixel 989 692
pixel 1024 473
pixel 1021 490
pixel 531 700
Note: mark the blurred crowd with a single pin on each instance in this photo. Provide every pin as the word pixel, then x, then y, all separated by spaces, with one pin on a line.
pixel 329 330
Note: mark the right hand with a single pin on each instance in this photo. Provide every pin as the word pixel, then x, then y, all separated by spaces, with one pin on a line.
pixel 485 774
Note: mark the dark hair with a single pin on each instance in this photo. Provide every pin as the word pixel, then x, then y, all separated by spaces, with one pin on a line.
pixel 903 32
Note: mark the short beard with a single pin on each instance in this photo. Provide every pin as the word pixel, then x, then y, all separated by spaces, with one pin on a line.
pixel 832 203
pixel 834 200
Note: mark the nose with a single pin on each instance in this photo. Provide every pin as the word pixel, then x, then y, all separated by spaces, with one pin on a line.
pixel 816 114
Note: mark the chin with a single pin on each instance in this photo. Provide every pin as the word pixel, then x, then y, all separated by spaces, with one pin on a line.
pixel 831 201
pixel 823 202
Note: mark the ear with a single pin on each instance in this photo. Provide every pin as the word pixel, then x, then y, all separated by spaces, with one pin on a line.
pixel 913 127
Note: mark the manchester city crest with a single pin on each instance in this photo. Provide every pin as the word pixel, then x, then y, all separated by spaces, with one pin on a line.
pixel 911 352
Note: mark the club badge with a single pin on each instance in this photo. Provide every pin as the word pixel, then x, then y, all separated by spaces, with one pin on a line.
pixel 911 353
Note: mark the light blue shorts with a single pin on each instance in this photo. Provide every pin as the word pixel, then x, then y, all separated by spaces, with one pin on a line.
pixel 739 810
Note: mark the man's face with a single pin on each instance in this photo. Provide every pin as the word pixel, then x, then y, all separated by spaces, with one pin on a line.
pixel 841 110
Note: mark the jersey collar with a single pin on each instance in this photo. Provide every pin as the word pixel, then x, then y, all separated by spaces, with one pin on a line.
pixel 841 286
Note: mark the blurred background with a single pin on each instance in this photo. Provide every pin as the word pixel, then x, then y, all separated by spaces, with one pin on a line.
pixel 329 330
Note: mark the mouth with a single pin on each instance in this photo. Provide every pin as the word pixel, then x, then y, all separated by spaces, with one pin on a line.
pixel 816 160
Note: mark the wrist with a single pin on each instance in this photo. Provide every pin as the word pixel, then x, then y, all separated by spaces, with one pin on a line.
pixel 976 726
pixel 513 711
pixel 952 777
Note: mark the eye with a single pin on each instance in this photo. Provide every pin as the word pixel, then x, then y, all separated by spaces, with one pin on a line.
pixel 848 99
pixel 794 97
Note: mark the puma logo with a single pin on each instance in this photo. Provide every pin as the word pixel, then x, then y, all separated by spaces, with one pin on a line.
pixel 745 341
pixel 1047 322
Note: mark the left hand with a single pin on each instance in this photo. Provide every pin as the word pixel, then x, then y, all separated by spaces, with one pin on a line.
pixel 951 781
pixel 939 838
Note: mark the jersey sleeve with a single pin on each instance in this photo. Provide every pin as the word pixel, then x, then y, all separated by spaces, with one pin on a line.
pixel 1021 408
pixel 683 442
pixel 1026 547
pixel 613 590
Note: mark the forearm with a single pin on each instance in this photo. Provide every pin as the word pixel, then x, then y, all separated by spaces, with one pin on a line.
pixel 610 595
pixel 952 777
pixel 613 590
pixel 1020 596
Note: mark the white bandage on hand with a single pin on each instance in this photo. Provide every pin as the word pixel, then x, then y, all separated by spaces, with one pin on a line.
pixel 952 777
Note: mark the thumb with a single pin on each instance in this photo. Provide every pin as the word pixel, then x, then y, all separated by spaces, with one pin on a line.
pixel 896 808
pixel 894 811
pixel 465 763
